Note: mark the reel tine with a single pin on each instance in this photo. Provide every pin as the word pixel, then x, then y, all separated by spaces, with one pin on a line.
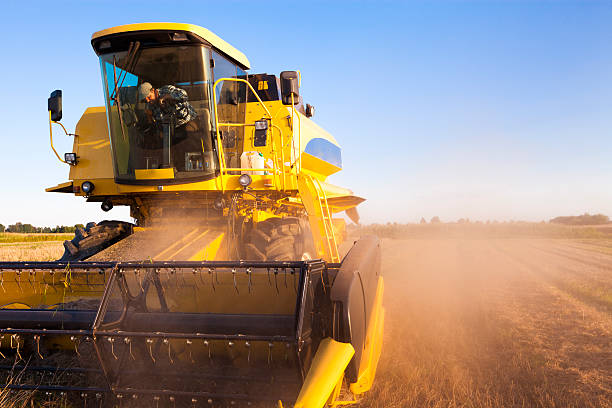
pixel 128 341
pixel 17 348
pixel 167 342
pixel 189 342
pixel 163 288
pixel 212 282
pixel 52 273
pixel 200 276
pixel 156 399
pixel 173 401
pixel 207 344
pixel 234 278
pixel 276 280
pixel 249 272
pixel 31 281
pixel 111 340
pixel 2 281
pixel 37 339
pixel 287 347
pixel 230 344
pixel 195 281
pixel 247 344
pixel 19 280
pixel 193 402
pixel 139 278
pixel 76 346
pixel 183 278
pixel 270 345
pixel 150 343
pixel 176 279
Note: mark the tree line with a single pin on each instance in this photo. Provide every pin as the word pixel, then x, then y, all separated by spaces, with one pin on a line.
pixel 584 219
pixel 30 229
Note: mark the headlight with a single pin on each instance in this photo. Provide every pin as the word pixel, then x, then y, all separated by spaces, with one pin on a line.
pixel 244 180
pixel 87 187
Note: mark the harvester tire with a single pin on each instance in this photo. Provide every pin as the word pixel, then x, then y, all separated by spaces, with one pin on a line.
pixel 94 238
pixel 280 239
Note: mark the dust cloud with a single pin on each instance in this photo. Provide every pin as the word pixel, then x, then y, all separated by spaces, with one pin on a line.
pixel 495 323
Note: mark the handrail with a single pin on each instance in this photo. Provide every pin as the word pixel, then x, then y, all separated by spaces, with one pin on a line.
pixel 330 238
pixel 276 169
pixel 219 143
pixel 298 156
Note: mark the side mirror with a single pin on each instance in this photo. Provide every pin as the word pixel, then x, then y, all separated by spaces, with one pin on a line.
pixel 290 85
pixel 310 110
pixel 54 104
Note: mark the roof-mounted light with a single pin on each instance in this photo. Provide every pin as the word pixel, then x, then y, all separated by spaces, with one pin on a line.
pixel 179 37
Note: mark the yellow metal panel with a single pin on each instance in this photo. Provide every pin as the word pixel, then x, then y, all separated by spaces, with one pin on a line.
pixel 92 146
pixel 209 253
pixel 315 165
pixel 326 370
pixel 61 188
pixel 374 337
pixel 153 174
pixel 202 32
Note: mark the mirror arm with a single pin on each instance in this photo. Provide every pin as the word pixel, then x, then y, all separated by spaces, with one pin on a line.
pixel 51 137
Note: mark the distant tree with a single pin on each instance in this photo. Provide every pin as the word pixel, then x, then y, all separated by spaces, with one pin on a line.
pixel 423 221
pixel 584 219
pixel 435 220
pixel 2 228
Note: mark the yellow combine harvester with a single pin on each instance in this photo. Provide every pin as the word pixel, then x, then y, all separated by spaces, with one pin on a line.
pixel 230 289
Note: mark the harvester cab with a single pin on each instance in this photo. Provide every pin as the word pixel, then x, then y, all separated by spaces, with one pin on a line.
pixel 230 287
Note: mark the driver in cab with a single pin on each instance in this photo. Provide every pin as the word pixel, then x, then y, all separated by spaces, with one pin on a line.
pixel 169 105
pixel 168 102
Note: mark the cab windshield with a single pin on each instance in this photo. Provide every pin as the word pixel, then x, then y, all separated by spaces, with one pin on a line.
pixel 159 113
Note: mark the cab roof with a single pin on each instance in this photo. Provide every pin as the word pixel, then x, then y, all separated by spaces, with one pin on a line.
pixel 201 32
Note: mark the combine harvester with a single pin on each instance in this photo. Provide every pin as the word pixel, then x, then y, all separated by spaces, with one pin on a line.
pixel 230 289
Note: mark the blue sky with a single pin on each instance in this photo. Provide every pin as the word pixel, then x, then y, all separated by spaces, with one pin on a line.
pixel 487 110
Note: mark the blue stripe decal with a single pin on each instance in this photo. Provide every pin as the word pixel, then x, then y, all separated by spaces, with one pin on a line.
pixel 325 150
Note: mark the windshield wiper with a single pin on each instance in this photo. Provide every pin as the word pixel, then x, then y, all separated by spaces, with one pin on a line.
pixel 116 98
pixel 129 66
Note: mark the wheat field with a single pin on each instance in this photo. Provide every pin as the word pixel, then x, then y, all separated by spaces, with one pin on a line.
pixel 32 247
